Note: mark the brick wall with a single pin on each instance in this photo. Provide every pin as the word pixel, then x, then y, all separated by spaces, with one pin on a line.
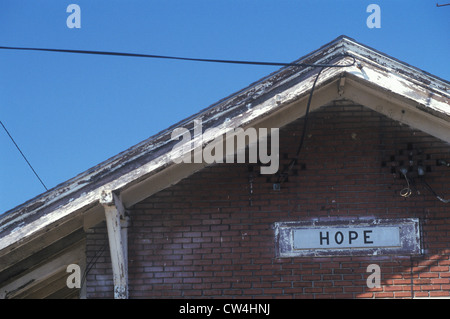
pixel 211 234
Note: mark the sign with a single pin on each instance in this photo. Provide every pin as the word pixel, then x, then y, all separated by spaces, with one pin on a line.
pixel 348 237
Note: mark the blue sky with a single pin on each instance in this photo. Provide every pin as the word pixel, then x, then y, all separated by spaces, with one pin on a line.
pixel 70 112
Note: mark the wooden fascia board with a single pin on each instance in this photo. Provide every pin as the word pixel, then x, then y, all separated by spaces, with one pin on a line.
pixel 397 108
pixel 383 100
pixel 40 240
pixel 288 110
pixel 74 255
pixel 121 182
pixel 21 260
pixel 425 107
pixel 269 99
pixel 418 95
pixel 63 194
pixel 46 288
pixel 374 59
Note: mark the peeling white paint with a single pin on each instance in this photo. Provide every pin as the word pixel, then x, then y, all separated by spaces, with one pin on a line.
pixel 379 71
pixel 397 84
pixel 18 227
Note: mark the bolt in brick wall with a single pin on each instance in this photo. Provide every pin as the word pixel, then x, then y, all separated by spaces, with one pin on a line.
pixel 211 235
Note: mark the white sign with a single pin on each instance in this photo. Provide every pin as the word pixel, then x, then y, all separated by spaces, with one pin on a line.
pixel 349 237
pixel 352 237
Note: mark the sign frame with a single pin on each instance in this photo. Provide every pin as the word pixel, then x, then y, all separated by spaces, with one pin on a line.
pixel 287 242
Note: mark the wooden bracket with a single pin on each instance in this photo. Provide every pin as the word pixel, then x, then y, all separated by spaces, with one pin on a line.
pixel 117 223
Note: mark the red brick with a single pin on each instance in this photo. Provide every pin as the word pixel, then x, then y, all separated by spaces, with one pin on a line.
pixel 203 238
pixel 439 293
pixel 384 295
pixel 402 294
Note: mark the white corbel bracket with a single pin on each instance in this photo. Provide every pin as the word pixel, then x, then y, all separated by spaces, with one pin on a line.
pixel 117 223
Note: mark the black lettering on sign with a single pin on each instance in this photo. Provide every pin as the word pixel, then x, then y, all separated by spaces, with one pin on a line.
pixel 366 237
pixel 352 236
pixel 322 238
pixel 341 238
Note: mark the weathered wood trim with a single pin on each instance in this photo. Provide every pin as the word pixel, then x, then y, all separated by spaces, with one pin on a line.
pixel 38 275
pixel 51 285
pixel 398 109
pixel 378 75
pixel 17 267
pixel 117 224
pixel 43 239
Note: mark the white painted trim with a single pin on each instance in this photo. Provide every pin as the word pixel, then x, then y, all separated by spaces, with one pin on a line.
pixel 381 75
pixel 118 243
pixel 38 275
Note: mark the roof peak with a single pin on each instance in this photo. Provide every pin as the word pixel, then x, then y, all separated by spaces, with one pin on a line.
pixel 143 165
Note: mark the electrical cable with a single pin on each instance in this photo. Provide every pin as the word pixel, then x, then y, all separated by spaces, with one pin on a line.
pixel 406 192
pixel 446 201
pixel 93 262
pixel 139 55
pixel 24 157
pixel 100 252
pixel 282 176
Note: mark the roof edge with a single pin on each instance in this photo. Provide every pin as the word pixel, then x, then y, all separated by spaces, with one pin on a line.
pixel 233 105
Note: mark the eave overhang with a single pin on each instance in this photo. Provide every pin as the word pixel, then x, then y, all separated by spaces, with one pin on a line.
pixel 382 83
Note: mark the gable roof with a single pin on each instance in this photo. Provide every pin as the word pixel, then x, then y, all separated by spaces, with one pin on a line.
pixel 378 81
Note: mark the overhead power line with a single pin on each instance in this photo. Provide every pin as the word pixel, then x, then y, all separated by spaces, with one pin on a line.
pixel 23 155
pixel 139 55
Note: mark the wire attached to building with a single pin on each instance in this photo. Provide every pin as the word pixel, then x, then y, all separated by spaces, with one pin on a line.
pixel 406 192
pixel 283 175
pixel 23 155
pixel 446 201
pixel 153 56
pixel 91 264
